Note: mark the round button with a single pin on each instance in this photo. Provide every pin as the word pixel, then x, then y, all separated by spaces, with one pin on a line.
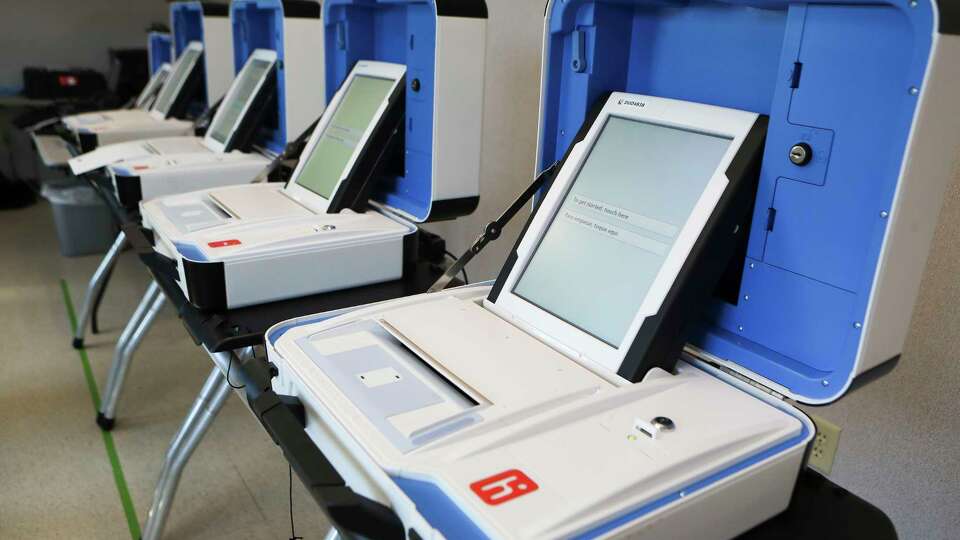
pixel 801 154
pixel 662 423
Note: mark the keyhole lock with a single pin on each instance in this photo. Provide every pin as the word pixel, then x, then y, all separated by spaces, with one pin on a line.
pixel 415 85
pixel 801 154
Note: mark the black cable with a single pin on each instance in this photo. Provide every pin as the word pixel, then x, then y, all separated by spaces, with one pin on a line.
pixel 463 270
pixel 293 532
pixel 229 367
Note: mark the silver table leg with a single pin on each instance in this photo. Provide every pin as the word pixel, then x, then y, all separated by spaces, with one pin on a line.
pixel 204 410
pixel 130 339
pixel 202 413
pixel 93 288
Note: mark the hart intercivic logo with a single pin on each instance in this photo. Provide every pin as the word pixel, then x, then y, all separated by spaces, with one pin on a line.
pixel 632 102
pixel 504 486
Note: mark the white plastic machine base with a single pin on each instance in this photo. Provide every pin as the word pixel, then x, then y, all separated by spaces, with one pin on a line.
pixel 132 150
pixel 126 125
pixel 557 449
pixel 178 173
pixel 278 254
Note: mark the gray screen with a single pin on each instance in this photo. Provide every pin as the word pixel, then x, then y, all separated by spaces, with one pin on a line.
pixel 617 223
pixel 340 139
pixel 151 89
pixel 181 70
pixel 229 114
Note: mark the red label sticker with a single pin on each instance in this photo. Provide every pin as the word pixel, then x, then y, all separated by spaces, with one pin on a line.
pixel 224 243
pixel 141 167
pixel 503 487
pixel 68 80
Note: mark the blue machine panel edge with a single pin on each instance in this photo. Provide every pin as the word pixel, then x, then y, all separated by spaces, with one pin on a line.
pixel 258 24
pixel 365 30
pixel 824 77
pixel 186 23
pixel 160 48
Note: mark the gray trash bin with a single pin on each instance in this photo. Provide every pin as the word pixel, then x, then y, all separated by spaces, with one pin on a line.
pixel 84 224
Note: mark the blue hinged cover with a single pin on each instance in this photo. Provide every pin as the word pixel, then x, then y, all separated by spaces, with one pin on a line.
pixel 159 49
pixel 403 32
pixel 258 24
pixel 186 24
pixel 836 74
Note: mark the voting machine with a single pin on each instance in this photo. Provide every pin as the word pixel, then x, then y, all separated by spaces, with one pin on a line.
pixel 739 221
pixel 397 145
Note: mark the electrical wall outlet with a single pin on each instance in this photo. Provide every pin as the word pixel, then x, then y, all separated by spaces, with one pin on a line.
pixel 825 445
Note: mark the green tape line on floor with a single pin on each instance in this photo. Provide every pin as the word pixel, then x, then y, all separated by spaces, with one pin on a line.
pixel 109 446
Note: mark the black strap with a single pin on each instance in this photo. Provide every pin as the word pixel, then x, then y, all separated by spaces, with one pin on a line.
pixel 493 229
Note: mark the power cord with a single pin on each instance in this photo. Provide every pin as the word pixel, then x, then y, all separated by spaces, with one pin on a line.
pixel 463 270
pixel 229 367
pixel 293 532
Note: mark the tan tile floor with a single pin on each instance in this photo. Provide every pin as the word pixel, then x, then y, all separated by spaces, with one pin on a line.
pixel 56 478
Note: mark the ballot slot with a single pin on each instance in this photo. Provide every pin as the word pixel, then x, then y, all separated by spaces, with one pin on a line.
pixel 408 400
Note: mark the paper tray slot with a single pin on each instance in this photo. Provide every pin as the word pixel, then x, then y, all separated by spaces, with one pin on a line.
pixel 406 399
pixel 430 363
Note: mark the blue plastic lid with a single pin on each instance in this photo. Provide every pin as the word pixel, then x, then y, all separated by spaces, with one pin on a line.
pixel 403 32
pixel 821 72
pixel 159 49
pixel 186 24
pixel 258 24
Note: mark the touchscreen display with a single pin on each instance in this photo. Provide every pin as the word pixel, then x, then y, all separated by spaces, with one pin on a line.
pixel 229 113
pixel 153 85
pixel 619 220
pixel 181 70
pixel 338 142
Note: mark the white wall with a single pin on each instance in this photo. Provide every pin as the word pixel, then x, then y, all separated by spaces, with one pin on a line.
pixel 511 102
pixel 59 33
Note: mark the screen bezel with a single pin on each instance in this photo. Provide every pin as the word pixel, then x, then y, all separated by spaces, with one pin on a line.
pixel 564 336
pixel 152 89
pixel 192 46
pixel 367 68
pixel 266 55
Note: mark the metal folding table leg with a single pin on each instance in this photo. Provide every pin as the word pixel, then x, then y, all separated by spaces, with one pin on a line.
pixel 204 410
pixel 130 339
pixel 95 311
pixel 94 287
